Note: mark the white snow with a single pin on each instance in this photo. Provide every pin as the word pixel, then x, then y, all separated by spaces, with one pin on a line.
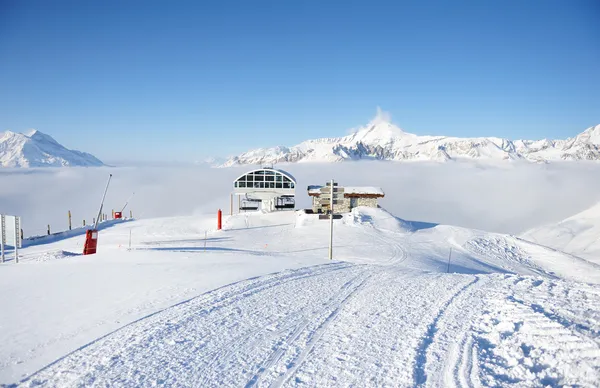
pixel 382 140
pixel 36 149
pixel 363 190
pixel 578 234
pixel 261 305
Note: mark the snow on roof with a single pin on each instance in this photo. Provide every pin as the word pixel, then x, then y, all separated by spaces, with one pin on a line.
pixel 314 189
pixel 352 190
pixel 363 190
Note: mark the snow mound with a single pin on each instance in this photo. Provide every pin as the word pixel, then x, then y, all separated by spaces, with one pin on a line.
pixel 55 255
pixel 578 234
pixel 378 218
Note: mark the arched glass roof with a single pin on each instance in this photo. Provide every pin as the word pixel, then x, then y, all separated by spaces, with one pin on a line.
pixel 265 178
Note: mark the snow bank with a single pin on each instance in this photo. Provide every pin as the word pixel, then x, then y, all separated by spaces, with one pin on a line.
pixel 578 234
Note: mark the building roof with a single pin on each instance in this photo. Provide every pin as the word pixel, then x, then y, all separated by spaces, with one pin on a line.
pixel 350 191
pixel 285 173
pixel 363 190
pixel 314 189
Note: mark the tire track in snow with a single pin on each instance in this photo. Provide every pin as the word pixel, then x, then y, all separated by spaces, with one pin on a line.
pixel 152 324
pixel 580 328
pixel 521 344
pixel 420 376
pixel 316 334
pixel 288 331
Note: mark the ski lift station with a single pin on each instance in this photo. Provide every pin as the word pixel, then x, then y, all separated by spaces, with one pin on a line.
pixel 267 189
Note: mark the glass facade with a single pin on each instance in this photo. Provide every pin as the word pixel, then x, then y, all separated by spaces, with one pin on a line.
pixel 264 179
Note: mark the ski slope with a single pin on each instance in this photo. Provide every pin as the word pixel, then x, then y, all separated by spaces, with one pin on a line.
pixel 261 305
pixel 578 234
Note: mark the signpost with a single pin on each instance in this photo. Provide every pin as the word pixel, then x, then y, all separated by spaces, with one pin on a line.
pixel 332 202
pixel 10 234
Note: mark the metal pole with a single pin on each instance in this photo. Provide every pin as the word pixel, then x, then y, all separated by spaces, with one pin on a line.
pixel 2 235
pixel 331 224
pixel 102 203
pixel 126 202
pixel 449 256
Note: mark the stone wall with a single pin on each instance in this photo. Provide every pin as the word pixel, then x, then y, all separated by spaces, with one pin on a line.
pixel 370 202
pixel 344 205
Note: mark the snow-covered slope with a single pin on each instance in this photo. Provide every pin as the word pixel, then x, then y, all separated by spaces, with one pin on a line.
pixel 380 139
pixel 36 149
pixel 259 304
pixel 578 235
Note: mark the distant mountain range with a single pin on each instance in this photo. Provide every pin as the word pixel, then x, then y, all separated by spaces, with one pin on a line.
pixel 36 149
pixel 382 140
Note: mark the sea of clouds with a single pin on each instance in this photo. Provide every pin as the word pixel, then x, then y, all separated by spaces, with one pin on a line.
pixel 507 197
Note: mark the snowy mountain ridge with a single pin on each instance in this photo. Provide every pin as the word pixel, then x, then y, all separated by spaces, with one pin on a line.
pixel 36 149
pixel 382 140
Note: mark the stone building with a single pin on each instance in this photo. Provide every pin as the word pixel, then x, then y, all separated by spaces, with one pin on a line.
pixel 345 198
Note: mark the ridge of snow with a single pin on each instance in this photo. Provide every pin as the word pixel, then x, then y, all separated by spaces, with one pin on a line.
pixel 380 139
pixel 578 235
pixel 37 149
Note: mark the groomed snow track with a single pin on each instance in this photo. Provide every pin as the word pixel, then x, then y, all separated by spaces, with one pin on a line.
pixel 394 321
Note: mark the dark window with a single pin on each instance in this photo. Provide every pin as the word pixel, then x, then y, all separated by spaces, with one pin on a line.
pixel 249 178
pixel 242 184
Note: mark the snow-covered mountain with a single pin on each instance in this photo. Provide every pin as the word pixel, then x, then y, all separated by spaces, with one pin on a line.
pixel 36 149
pixel 382 140
pixel 578 234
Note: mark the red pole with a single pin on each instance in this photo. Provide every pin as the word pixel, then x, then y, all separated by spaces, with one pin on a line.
pixel 219 219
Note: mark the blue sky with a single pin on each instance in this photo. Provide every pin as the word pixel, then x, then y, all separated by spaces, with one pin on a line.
pixel 182 80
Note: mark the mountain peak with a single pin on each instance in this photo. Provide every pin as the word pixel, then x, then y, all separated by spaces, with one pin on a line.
pixel 36 149
pixel 590 135
pixel 379 130
pixel 380 139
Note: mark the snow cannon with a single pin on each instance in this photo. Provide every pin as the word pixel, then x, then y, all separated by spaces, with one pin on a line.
pixel 91 242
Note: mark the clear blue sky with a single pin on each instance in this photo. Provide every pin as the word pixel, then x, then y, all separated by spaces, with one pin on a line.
pixel 180 80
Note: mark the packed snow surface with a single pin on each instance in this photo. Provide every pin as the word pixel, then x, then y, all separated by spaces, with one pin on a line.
pixel 403 303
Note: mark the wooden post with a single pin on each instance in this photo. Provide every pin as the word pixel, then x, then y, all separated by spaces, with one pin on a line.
pixel 69 219
pixel 48 229
pixel 84 222
pixel 113 214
